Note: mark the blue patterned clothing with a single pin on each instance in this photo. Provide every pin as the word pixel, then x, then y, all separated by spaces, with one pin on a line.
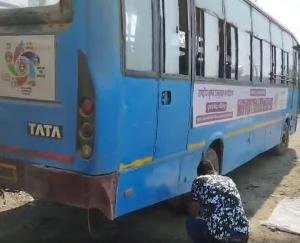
pixel 220 206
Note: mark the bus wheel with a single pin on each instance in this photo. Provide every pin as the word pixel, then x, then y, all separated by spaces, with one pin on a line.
pixel 212 159
pixel 281 148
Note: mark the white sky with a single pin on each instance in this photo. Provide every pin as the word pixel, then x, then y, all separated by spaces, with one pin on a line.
pixel 286 12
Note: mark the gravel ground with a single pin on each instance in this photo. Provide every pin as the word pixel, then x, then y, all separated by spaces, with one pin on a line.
pixel 263 183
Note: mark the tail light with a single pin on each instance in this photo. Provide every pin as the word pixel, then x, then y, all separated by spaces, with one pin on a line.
pixel 86 151
pixel 87 107
pixel 86 130
pixel 86 110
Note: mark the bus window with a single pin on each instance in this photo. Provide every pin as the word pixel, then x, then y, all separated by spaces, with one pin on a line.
pixel 266 60
pixel 231 50
pixel 215 6
pixel 221 48
pixel 261 26
pixel 244 56
pixel 294 66
pixel 291 65
pixel 277 38
pixel 279 62
pixel 138 30
pixel 285 67
pixel 209 47
pixel 211 28
pixel 273 76
pixel 256 59
pixel 200 42
pixel 176 37
pixel 238 13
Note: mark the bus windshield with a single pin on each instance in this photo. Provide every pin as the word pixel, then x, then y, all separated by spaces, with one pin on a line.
pixel 16 4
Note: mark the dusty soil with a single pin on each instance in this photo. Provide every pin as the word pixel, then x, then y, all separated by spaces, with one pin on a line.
pixel 263 183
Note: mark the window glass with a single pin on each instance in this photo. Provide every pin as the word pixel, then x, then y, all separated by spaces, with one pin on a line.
pixel 295 74
pixel 138 28
pixel 244 56
pixel 293 65
pixel 13 4
pixel 273 73
pixel 287 42
pixel 221 48
pixel 261 25
pixel 290 65
pixel 285 66
pixel 266 62
pixel 278 65
pixel 276 34
pixel 277 62
pixel 211 46
pixel 200 42
pixel 176 37
pixel 215 6
pixel 238 13
pixel 231 56
pixel 256 58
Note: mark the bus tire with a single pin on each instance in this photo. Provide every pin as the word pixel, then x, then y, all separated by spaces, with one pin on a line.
pixel 212 156
pixel 281 148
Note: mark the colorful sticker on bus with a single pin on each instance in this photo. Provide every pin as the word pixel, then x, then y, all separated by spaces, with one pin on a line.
pixel 219 103
pixel 27 67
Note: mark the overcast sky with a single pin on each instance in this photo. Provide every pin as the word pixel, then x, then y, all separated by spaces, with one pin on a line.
pixel 287 12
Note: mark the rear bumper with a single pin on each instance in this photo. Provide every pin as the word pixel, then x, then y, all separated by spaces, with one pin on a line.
pixel 88 192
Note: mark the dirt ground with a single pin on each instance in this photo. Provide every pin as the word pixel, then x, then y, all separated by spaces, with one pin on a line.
pixel 263 183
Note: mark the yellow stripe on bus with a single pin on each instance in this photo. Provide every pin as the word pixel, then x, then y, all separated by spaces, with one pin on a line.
pixel 136 164
pixel 239 132
pixel 253 128
pixel 197 146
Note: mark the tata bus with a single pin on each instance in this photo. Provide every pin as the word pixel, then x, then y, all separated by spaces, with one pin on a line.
pixel 111 105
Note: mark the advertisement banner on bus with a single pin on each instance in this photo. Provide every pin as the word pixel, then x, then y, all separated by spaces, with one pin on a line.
pixel 27 67
pixel 219 103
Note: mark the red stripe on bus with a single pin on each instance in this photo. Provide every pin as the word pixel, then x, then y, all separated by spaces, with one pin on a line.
pixel 37 154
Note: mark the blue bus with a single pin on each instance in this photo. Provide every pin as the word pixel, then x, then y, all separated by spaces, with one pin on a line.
pixel 112 105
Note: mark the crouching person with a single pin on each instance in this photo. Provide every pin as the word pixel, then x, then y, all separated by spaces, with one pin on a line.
pixel 216 211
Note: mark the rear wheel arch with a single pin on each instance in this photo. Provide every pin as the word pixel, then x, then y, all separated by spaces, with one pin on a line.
pixel 218 146
pixel 215 153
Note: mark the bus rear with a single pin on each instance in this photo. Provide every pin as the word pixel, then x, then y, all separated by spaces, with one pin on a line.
pixel 48 105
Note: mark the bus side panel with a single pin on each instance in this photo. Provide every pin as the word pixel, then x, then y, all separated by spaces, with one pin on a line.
pixel 173 118
pixel 156 182
pixel 173 175
pixel 136 139
pixel 243 139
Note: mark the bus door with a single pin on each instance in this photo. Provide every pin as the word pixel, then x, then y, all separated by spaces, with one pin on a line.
pixel 175 84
